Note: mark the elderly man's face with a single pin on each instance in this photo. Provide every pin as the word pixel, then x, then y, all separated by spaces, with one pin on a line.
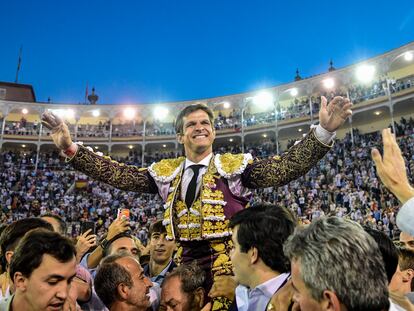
pixel 138 294
pixel 302 296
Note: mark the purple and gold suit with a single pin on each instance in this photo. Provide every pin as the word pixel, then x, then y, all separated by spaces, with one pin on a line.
pixel 201 230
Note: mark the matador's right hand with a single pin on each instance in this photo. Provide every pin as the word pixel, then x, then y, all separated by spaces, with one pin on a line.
pixel 60 131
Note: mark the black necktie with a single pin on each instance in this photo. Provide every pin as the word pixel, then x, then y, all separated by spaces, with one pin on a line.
pixel 192 186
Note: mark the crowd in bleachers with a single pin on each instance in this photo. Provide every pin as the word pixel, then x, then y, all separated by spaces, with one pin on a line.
pixel 299 107
pixel 344 183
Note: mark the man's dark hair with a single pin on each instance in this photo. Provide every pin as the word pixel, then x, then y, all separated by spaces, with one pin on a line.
pixel 387 248
pixel 62 224
pixel 110 274
pixel 406 261
pixel 265 227
pixel 14 232
pixel 179 123
pixel 190 275
pixel 157 227
pixel 29 253
pixel 125 234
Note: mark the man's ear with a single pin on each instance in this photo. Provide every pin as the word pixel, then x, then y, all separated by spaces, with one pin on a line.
pixel 254 255
pixel 20 281
pixel 199 297
pixel 330 301
pixel 123 291
pixel 8 255
pixel 407 275
pixel 180 139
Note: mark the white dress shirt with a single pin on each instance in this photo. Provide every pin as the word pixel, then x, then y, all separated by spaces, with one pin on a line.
pixel 256 299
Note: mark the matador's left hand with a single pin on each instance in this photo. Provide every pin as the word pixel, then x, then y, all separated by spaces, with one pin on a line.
pixel 334 114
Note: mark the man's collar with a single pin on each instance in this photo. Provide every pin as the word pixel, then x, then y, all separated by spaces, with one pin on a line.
pixel 205 161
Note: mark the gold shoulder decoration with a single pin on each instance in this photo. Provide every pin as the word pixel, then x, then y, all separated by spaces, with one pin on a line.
pixel 229 165
pixel 166 170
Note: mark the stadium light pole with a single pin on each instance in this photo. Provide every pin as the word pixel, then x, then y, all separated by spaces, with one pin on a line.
pixel 391 107
pixel 276 103
pixel 144 129
pixel 262 98
pixel 3 125
pixel 39 137
pixel 245 103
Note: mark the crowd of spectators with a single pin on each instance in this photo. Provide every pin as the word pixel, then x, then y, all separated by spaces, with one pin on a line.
pixel 297 108
pixel 344 184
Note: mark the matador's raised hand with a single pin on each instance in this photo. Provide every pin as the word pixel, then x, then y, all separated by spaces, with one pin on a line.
pixel 334 114
pixel 60 131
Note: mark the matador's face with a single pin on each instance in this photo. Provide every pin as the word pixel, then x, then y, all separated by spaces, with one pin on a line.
pixel 198 133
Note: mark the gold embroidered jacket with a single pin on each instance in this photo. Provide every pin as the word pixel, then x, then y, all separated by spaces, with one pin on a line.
pixel 261 173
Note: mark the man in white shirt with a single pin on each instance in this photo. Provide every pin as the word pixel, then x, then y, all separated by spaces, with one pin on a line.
pixel 259 264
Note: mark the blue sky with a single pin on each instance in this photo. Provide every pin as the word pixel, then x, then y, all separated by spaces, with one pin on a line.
pixel 153 51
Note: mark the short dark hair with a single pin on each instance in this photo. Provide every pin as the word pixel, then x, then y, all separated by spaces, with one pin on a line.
pixel 62 224
pixel 387 248
pixel 179 122
pixel 190 275
pixel 265 227
pixel 29 253
pixel 406 261
pixel 14 232
pixel 110 274
pixel 157 227
pixel 125 234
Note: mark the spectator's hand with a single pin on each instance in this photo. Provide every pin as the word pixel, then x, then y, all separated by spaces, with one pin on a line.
pixel 70 305
pixel 334 114
pixel 282 299
pixel 223 286
pixel 207 307
pixel 84 243
pixel 60 131
pixel 120 225
pixel 391 167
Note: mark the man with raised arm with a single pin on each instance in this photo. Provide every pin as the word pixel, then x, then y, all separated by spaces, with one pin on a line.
pixel 202 190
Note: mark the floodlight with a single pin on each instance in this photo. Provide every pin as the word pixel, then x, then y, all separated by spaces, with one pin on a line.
pixel 328 83
pixel 263 98
pixel 129 113
pixel 69 113
pixel 294 92
pixel 96 113
pixel 130 147
pixel 25 111
pixel 408 56
pixel 230 139
pixel 160 112
pixel 365 73
pixel 226 105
